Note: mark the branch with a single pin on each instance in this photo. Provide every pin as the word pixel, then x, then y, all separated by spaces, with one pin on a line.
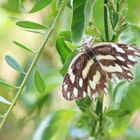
pixel 35 60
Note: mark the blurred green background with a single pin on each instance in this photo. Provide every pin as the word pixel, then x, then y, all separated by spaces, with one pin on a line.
pixel 33 107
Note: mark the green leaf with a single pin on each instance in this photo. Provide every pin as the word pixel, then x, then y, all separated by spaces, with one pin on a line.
pixel 3 83
pixel 35 31
pixel 55 126
pixel 66 35
pixel 131 35
pixel 70 45
pixel 62 49
pixel 39 82
pixel 98 16
pixel 68 61
pixel 40 4
pixel 78 20
pixel 88 10
pixel 58 2
pixel 119 124
pixel 52 79
pixel 85 103
pixel 130 101
pixel 13 63
pixel 119 92
pixel 5 101
pixel 22 46
pixel 30 25
pixel 11 6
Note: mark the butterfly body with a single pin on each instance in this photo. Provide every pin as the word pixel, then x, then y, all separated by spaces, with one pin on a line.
pixel 89 70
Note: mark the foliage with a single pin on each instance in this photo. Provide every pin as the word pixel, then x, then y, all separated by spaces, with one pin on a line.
pixel 38 81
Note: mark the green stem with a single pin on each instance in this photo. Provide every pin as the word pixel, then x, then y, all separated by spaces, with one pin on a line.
pixel 35 60
pixel 99 112
pixel 106 28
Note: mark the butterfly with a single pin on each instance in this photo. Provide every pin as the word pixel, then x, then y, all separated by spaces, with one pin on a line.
pixel 91 68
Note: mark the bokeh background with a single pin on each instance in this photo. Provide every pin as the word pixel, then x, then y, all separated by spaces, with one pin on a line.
pixel 33 107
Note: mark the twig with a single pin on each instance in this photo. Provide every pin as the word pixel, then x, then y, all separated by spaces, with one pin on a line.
pixel 35 60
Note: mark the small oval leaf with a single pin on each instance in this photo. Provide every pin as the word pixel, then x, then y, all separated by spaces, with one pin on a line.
pixel 30 25
pixel 40 4
pixel 13 63
pixel 3 83
pixel 5 101
pixel 39 82
pixel 22 46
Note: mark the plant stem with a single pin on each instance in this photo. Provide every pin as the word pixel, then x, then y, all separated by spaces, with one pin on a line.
pixel 99 112
pixel 35 60
pixel 106 21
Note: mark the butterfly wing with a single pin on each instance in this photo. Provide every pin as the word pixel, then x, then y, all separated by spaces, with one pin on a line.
pixel 88 75
pixel 84 77
pixel 116 58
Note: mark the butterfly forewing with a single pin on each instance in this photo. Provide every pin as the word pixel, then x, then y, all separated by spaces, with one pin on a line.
pixel 88 74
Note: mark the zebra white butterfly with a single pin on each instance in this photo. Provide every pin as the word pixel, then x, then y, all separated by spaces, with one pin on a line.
pixel 89 70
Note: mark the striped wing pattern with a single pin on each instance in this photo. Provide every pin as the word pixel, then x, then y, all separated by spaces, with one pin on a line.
pixel 88 75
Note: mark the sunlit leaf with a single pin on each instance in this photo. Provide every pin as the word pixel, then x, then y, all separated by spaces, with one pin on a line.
pixel 22 46
pixel 40 4
pixel 66 35
pixel 5 101
pixel 39 82
pixel 70 45
pixel 98 16
pixel 30 25
pixel 14 64
pixel 55 126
